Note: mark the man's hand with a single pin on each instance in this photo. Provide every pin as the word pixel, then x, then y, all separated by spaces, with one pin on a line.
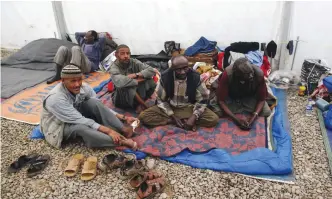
pixel 115 136
pixel 177 121
pixel 130 120
pixel 243 124
pixel 139 80
pixel 132 76
pixel 252 120
pixel 190 124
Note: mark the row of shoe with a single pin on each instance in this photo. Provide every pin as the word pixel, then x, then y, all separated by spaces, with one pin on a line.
pixel 140 173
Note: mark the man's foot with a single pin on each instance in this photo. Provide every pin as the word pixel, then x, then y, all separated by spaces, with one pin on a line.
pixel 57 76
pixel 54 79
pixel 129 143
pixel 127 131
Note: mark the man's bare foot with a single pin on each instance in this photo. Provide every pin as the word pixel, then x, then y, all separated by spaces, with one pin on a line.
pixel 127 131
pixel 129 143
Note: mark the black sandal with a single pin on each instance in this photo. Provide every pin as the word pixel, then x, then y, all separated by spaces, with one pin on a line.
pixel 38 165
pixel 21 162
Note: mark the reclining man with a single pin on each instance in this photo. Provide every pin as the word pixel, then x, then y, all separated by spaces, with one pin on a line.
pixel 242 88
pixel 180 99
pixel 71 110
pixel 132 80
pixel 86 56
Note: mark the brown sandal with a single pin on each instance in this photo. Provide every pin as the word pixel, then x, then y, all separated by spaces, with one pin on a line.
pixel 139 178
pixel 150 188
pixel 131 168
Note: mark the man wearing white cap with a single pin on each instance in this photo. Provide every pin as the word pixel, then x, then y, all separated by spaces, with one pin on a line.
pixel 72 110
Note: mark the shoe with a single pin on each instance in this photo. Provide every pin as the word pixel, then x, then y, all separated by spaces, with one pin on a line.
pixel 57 76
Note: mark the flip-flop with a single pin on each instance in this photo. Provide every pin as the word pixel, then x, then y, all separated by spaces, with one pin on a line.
pixel 38 165
pixel 89 170
pixel 21 162
pixel 73 165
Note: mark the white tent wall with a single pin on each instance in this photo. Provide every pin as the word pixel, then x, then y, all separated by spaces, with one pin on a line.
pixel 311 21
pixel 145 25
pixel 23 22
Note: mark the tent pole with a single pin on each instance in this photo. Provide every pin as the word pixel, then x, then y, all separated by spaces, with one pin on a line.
pixel 297 42
pixel 59 19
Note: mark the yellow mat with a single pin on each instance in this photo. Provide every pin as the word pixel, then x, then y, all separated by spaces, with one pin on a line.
pixel 26 106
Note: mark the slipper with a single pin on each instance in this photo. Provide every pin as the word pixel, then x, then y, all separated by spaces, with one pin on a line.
pixel 149 188
pixel 139 178
pixel 38 165
pixel 21 162
pixel 89 170
pixel 73 165
pixel 114 161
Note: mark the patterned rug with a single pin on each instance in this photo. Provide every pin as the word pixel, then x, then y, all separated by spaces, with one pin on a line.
pixel 169 140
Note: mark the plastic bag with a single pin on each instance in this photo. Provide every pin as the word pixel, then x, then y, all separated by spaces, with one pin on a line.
pixel 105 65
pixel 284 79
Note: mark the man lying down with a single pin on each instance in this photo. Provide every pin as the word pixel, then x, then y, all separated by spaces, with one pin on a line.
pixel 72 110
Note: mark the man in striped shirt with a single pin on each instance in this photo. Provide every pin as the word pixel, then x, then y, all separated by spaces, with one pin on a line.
pixel 181 99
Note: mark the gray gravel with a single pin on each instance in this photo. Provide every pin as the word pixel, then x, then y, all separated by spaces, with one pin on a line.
pixel 313 178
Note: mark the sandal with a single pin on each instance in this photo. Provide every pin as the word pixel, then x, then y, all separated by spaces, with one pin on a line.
pixel 150 188
pixel 139 178
pixel 21 162
pixel 73 165
pixel 114 161
pixel 38 165
pixel 89 170
pixel 131 168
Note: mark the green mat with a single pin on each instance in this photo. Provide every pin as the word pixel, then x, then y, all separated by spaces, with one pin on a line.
pixel 325 138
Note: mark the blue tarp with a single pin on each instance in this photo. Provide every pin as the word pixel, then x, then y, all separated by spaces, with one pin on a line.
pixel 201 46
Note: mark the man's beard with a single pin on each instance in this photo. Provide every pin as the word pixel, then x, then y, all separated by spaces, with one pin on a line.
pixel 181 76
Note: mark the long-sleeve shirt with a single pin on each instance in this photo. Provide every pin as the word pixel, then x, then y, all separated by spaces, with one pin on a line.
pixel 119 73
pixel 180 99
pixel 64 106
pixel 59 108
pixel 92 51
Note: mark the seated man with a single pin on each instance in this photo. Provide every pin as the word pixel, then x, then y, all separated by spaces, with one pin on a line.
pixel 132 80
pixel 86 56
pixel 180 99
pixel 71 110
pixel 242 88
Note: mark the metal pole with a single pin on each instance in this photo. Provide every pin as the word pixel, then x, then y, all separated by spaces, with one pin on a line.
pixel 297 42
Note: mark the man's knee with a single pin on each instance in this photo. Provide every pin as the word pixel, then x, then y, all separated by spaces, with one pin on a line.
pixel 92 103
pixel 75 49
pixel 63 49
pixel 209 119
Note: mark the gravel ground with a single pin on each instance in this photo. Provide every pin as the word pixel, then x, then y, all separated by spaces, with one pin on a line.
pixel 313 178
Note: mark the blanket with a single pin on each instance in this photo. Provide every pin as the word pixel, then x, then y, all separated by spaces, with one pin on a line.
pixel 327 137
pixel 166 141
pixel 29 66
pixel 26 106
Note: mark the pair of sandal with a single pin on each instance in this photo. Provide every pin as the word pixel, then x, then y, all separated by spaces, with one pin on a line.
pixel 147 184
pixel 37 164
pixel 89 169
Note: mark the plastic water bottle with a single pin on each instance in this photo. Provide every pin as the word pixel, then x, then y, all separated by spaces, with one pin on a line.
pixel 308 108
